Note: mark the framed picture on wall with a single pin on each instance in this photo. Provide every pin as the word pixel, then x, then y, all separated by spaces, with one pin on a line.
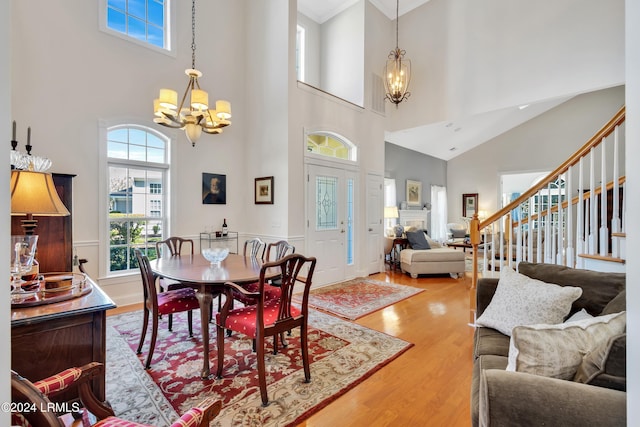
pixel 469 204
pixel 214 189
pixel 414 193
pixel 263 192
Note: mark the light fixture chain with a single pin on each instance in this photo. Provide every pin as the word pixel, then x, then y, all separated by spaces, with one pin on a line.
pixel 397 21
pixel 193 34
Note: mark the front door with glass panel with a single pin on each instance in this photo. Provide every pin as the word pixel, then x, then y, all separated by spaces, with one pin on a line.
pixel 330 228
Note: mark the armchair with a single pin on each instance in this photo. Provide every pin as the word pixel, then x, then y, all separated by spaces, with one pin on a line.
pixel 36 395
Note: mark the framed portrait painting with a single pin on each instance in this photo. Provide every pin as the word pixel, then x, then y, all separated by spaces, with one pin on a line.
pixel 263 191
pixel 214 189
pixel 469 204
pixel 414 193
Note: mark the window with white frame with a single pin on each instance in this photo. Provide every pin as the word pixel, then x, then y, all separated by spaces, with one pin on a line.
pixel 145 22
pixel 138 168
pixel 300 52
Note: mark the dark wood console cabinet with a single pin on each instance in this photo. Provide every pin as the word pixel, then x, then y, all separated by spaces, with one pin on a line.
pixel 50 338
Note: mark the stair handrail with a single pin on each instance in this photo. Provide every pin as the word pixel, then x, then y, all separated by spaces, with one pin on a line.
pixel 605 131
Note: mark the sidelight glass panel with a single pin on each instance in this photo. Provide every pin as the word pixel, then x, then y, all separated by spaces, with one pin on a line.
pixel 326 203
pixel 350 215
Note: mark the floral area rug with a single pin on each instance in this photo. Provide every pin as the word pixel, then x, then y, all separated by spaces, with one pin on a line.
pixel 342 355
pixel 356 298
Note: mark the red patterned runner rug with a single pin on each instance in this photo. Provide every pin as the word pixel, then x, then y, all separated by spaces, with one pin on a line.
pixel 356 298
pixel 342 355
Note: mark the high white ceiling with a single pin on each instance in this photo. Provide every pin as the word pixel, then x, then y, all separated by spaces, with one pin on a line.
pixel 321 10
pixel 444 140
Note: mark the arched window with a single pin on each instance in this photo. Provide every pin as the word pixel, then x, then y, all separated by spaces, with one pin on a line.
pixel 138 206
pixel 329 144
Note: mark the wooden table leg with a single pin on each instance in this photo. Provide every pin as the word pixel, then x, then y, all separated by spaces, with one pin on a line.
pixel 204 298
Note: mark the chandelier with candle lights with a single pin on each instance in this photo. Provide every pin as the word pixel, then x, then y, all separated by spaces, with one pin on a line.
pixel 397 71
pixel 193 113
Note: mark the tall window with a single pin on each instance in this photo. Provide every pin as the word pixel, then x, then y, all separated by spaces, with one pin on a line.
pixel 144 21
pixel 138 167
pixel 300 51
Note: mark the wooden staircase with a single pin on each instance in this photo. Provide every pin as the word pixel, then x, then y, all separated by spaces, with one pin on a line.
pixel 568 218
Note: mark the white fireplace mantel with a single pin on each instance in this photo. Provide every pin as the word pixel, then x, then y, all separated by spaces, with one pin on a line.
pixel 414 218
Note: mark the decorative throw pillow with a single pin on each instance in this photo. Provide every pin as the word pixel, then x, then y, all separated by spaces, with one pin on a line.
pixel 417 240
pixel 432 243
pixel 556 351
pixel 520 300
pixel 579 315
pixel 608 354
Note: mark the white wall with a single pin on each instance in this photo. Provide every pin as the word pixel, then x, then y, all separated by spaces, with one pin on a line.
pixel 5 221
pixel 312 50
pixel 633 204
pixel 342 54
pixel 475 57
pixel 266 122
pixel 539 144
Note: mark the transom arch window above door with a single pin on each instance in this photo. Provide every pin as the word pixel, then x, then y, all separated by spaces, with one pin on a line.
pixel 332 145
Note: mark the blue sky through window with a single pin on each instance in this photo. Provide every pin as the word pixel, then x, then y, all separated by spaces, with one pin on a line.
pixel 142 20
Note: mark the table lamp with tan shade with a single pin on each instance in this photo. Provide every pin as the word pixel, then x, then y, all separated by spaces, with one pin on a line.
pixel 32 193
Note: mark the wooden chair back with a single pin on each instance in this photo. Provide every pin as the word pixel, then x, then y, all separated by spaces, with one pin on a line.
pixel 174 245
pixel 150 293
pixel 280 250
pixel 255 247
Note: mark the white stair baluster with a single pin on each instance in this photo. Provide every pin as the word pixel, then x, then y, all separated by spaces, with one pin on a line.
pixel 580 218
pixel 593 218
pixel 604 230
pixel 569 254
pixel 615 217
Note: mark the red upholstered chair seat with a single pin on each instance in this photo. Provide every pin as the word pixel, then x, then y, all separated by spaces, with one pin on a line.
pixel 244 319
pixel 177 300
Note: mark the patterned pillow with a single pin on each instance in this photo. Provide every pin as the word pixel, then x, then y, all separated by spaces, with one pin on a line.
pixel 557 351
pixel 520 300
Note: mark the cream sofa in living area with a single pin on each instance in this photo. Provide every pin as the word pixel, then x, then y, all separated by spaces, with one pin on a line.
pixel 426 256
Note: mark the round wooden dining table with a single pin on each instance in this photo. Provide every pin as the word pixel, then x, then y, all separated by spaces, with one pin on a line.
pixel 208 280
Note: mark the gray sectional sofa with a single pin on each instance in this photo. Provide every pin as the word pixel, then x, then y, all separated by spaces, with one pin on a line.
pixel 507 398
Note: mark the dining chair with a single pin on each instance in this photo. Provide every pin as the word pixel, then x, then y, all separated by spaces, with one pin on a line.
pixel 255 246
pixel 158 303
pixel 34 397
pixel 269 317
pixel 174 246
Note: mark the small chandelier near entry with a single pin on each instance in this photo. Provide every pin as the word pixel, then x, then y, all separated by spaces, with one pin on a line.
pixel 195 117
pixel 397 72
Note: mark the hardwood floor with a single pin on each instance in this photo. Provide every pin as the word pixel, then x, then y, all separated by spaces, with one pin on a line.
pixel 429 384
